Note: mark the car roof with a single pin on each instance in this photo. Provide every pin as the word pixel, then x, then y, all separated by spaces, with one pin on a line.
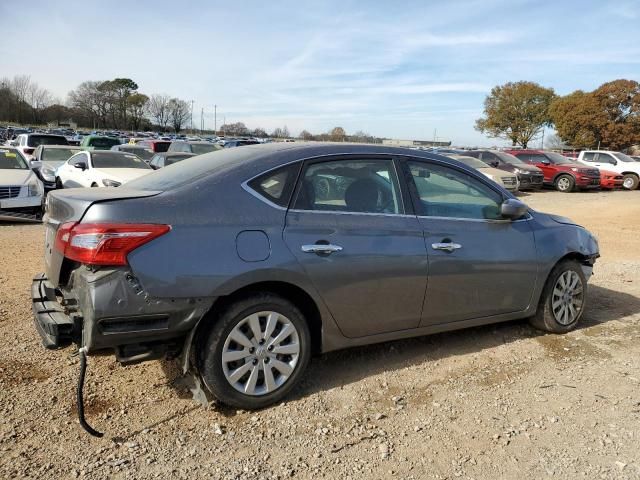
pixel 66 147
pixel 176 154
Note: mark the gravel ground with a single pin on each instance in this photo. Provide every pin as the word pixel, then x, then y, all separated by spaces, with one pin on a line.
pixel 500 401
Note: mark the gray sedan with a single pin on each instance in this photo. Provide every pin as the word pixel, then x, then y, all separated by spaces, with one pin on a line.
pixel 246 261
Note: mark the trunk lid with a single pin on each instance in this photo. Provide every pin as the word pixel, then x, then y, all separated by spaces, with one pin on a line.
pixel 64 206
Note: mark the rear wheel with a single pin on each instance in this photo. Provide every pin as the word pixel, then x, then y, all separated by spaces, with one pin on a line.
pixel 256 352
pixel 563 299
pixel 565 183
pixel 630 181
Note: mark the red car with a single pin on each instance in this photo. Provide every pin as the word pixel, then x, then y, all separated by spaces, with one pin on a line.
pixel 610 180
pixel 560 172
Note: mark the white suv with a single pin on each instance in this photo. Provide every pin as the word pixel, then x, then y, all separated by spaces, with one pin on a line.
pixel 613 162
pixel 28 142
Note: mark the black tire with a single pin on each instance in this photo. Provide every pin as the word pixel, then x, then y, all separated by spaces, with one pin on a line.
pixel 213 342
pixel 544 319
pixel 59 184
pixel 565 183
pixel 94 185
pixel 630 179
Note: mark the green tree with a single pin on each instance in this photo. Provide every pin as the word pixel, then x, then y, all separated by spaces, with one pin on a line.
pixel 608 117
pixel 516 111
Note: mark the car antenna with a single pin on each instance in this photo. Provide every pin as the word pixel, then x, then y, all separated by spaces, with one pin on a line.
pixel 79 396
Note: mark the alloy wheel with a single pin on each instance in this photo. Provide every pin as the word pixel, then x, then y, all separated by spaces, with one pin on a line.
pixel 564 184
pixel 260 353
pixel 567 298
pixel 628 183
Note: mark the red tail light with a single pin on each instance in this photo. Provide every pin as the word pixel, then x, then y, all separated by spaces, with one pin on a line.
pixel 29 151
pixel 104 243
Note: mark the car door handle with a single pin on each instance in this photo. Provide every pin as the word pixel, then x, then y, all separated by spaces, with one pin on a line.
pixel 447 247
pixel 325 249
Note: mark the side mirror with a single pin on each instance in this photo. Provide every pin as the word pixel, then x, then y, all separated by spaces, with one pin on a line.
pixel 81 165
pixel 495 164
pixel 613 161
pixel 513 209
pixel 545 162
pixel 35 164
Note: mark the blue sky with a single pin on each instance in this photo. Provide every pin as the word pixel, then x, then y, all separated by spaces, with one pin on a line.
pixel 395 69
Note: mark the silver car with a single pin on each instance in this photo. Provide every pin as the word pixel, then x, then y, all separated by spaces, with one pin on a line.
pixel 246 261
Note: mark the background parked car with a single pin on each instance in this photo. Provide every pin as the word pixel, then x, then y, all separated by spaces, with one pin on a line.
pixel 143 152
pixel 98 168
pixel 564 174
pixel 505 179
pixel 193 147
pixel 529 176
pixel 21 191
pixel 28 142
pixel 610 180
pixel 239 143
pixel 165 159
pixel 47 159
pixel 616 162
pixel 156 146
pixel 98 142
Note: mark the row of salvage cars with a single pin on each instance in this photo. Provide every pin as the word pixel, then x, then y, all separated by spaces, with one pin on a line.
pixel 28 172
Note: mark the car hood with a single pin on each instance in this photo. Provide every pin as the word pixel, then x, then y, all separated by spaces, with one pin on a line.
pixel 494 172
pixel 123 174
pixel 560 219
pixel 15 177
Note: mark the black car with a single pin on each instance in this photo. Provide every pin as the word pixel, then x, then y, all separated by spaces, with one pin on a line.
pixel 164 159
pixel 529 176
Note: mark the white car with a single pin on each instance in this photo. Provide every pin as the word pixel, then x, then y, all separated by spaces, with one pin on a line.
pixel 28 142
pixel 21 191
pixel 613 162
pixel 100 168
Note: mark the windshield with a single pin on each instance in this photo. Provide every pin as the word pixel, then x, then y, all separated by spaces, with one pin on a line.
pixel 200 148
pixel 470 161
pixel 11 160
pixel 558 159
pixel 58 154
pixel 508 158
pixel 623 158
pixel 117 160
pixel 36 140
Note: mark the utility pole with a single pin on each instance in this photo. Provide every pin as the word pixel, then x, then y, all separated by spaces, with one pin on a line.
pixel 215 119
pixel 191 117
pixel 201 120
pixel 542 144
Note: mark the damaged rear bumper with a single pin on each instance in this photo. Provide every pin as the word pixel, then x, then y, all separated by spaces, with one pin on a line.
pixel 108 308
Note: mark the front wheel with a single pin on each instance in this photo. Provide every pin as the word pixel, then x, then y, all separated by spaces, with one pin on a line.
pixel 630 181
pixel 563 299
pixel 565 183
pixel 255 352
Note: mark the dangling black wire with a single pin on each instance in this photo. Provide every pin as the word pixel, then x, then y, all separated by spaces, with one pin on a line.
pixel 79 396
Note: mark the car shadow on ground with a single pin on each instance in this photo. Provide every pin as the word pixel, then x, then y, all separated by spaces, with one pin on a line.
pixel 336 369
pixel 343 367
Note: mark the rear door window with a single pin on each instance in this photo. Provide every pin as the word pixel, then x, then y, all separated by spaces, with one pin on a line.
pixel 589 157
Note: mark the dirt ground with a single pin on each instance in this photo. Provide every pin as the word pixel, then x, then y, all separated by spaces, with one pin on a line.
pixel 493 402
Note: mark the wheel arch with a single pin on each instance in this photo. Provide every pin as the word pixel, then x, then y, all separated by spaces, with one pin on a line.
pixel 295 294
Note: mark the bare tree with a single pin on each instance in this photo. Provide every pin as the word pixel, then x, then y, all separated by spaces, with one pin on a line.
pixel 20 88
pixel 179 113
pixel 158 109
pixel 39 99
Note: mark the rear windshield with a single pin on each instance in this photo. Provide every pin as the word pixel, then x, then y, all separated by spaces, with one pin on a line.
pixel 58 154
pixel 36 140
pixel 174 159
pixel 11 160
pixel 117 160
pixel 103 142
pixel 161 146
pixel 200 148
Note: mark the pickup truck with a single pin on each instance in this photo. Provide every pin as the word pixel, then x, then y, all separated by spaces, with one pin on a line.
pixel 614 162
